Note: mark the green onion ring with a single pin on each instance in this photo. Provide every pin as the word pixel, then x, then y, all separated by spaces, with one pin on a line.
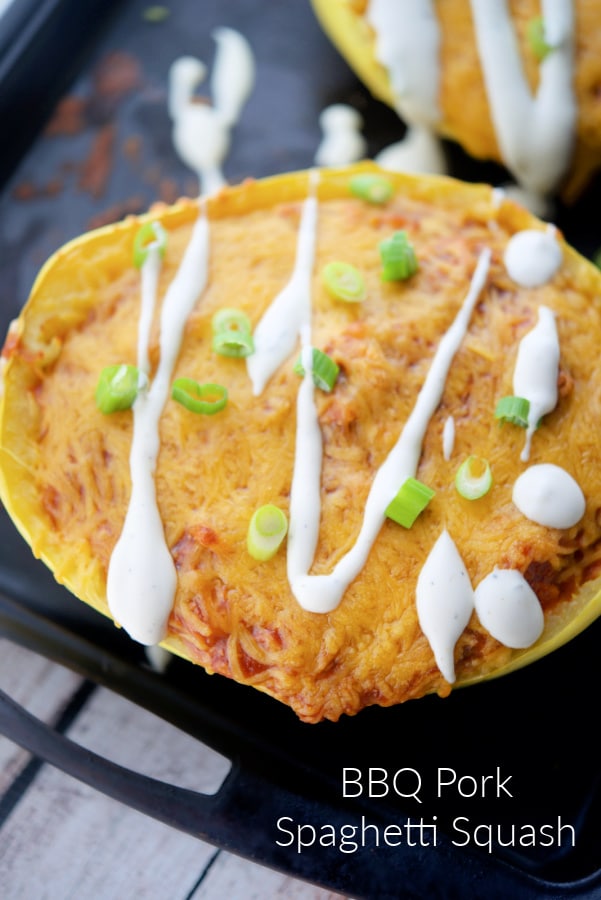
pixel 232 333
pixel 151 234
pixel 536 38
pixel 266 531
pixel 325 371
pixel 230 319
pixel 233 343
pixel 117 388
pixel 474 478
pixel 375 189
pixel 206 399
pixel 344 282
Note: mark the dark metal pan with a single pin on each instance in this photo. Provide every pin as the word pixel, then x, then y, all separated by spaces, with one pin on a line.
pixel 525 745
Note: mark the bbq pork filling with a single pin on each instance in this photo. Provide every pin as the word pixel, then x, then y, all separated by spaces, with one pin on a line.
pixel 431 440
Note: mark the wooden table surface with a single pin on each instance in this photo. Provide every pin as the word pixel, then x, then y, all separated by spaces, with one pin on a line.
pixel 61 839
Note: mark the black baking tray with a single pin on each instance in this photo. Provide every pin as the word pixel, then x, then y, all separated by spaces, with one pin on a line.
pixel 537 728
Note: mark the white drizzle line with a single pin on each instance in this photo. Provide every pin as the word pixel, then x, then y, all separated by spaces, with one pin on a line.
pixel 322 593
pixel 201 133
pixel 142 578
pixel 407 45
pixel 448 438
pixel 342 142
pixel 420 151
pixel 535 372
pixel 278 330
pixel 535 134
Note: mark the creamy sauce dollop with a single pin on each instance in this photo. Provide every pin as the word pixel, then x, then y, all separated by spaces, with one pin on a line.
pixel 509 609
pixel 445 601
pixel 532 257
pixel 549 495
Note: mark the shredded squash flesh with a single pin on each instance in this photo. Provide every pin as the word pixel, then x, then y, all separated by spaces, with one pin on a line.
pixel 65 478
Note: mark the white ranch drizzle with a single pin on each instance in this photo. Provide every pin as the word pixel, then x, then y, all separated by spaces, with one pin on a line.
pixel 420 151
pixel 342 142
pixel 278 330
pixel 509 609
pixel 445 601
pixel 448 437
pixel 201 133
pixel 532 257
pixel 535 134
pixel 142 579
pixel 407 45
pixel 535 372
pixel 322 593
pixel 550 496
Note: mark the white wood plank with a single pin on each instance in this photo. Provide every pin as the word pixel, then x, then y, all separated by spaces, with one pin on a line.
pixel 41 687
pixel 131 736
pixel 66 840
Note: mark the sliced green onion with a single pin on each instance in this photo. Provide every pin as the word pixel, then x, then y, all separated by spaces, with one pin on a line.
pixel 150 234
pixel 266 531
pixel 118 387
pixel 232 333
pixel 373 188
pixel 344 282
pixel 411 500
pixel 206 399
pixel 399 261
pixel 233 343
pixel 155 14
pixel 230 319
pixel 474 478
pixel 325 370
pixel 536 38
pixel 513 409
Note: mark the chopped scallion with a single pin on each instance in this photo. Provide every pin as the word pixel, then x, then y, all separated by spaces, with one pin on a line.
pixel 230 319
pixel 232 333
pixel 206 399
pixel 344 282
pixel 374 188
pixel 536 38
pixel 150 234
pixel 155 14
pixel 325 370
pixel 474 478
pixel 399 261
pixel 513 409
pixel 266 531
pixel 410 501
pixel 233 343
pixel 118 387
